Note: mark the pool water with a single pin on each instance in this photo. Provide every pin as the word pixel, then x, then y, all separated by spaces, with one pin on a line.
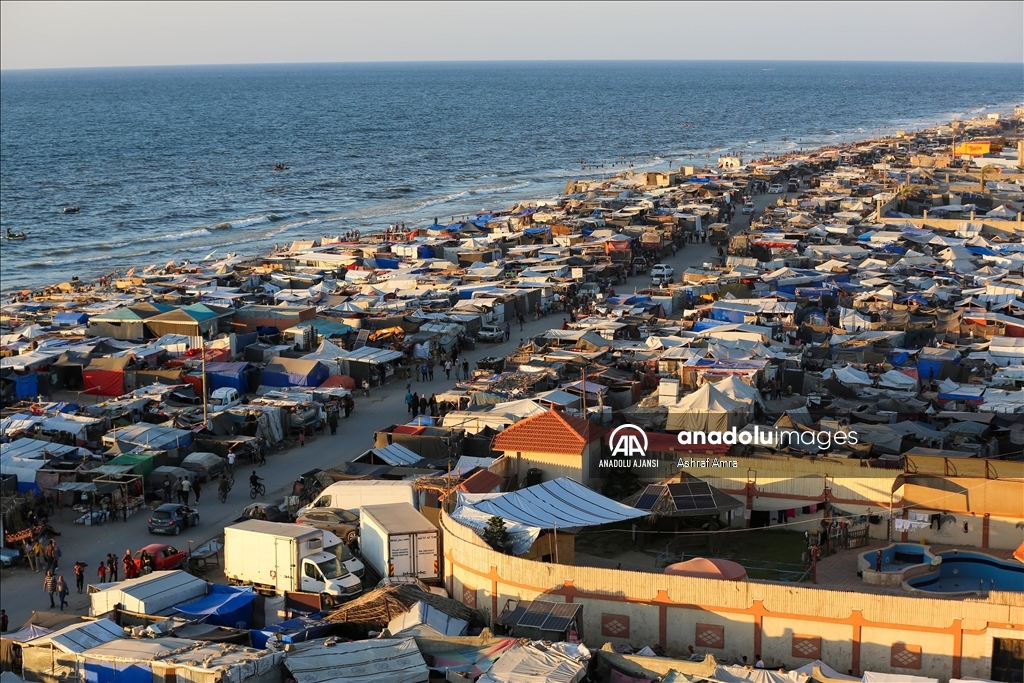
pixel 964 571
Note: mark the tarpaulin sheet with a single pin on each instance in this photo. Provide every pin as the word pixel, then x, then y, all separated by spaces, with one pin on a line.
pixel 222 606
pixel 26 386
pixel 292 372
pixel 103 382
pixel 391 660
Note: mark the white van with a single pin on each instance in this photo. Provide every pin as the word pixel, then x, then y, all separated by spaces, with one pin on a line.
pixel 352 495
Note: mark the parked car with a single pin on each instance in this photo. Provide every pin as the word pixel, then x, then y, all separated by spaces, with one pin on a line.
pixel 9 557
pixel 793 186
pixel 776 189
pixel 591 289
pixel 266 511
pixel 223 398
pixel 491 333
pixel 662 274
pixel 748 208
pixel 339 522
pixel 171 518
pixel 163 556
pixel 414 582
pixel 205 466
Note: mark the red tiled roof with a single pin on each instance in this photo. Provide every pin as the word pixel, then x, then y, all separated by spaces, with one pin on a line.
pixel 549 432
pixel 482 481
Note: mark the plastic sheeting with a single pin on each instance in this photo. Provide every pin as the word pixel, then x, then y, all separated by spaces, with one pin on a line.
pixel 292 372
pixel 533 664
pixel 391 660
pixel 222 606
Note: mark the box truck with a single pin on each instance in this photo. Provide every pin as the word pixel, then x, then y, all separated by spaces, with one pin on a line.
pixel 352 495
pixel 274 557
pixel 396 540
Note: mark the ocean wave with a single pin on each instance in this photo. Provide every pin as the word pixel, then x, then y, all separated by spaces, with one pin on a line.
pixel 174 236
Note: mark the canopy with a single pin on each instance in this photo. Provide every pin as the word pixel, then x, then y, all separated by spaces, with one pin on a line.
pixel 391 660
pixel 531 664
pixel 708 568
pixel 557 504
pixel 706 410
pixel 223 606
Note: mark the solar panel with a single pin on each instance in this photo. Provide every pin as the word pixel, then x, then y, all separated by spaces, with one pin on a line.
pixel 692 495
pixel 561 617
pixel 650 496
pixel 536 614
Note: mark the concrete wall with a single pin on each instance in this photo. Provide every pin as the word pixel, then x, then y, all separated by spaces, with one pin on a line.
pixel 860 631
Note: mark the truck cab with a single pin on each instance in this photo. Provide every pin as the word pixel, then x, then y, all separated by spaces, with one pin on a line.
pixel 326 574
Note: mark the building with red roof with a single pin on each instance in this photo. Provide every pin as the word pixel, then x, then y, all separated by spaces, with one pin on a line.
pixel 555 443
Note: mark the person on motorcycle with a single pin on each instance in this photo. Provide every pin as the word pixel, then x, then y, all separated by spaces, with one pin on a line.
pixel 254 480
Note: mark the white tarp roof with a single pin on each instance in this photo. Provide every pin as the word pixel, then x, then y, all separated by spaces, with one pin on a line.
pixel 423 614
pixel 396 455
pixel 741 674
pixel 875 677
pixel 81 637
pixel 534 663
pixel 365 661
pixel 150 594
pixel 808 670
pixel 894 379
pixel 560 503
pixel 523 535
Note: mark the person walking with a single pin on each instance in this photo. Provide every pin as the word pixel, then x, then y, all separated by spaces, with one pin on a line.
pixel 26 550
pixel 433 405
pixel 102 572
pixel 261 448
pixel 180 490
pixel 186 490
pixel 430 369
pixel 4 621
pixel 414 403
pixel 80 575
pixel 38 552
pixel 448 369
pixel 465 369
pixel 50 586
pixel 128 563
pixel 197 488
pixel 423 404
pixel 508 331
pixel 231 460
pixel 302 437
pixel 424 370
pixel 112 567
pixel 62 592
pixel 522 320
pixel 332 422
pixel 167 488
pixel 408 401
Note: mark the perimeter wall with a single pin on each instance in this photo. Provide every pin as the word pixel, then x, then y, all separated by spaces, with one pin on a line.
pixel 788 625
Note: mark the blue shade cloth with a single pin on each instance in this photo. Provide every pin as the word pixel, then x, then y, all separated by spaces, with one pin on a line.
pixel 222 606
pixel 291 631
pixel 117 672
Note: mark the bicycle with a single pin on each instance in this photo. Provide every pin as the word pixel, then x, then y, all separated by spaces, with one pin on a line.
pixel 257 490
pixel 222 494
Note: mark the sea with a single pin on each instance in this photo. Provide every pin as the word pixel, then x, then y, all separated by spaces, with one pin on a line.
pixel 175 163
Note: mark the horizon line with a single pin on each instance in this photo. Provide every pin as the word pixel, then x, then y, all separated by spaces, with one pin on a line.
pixel 506 61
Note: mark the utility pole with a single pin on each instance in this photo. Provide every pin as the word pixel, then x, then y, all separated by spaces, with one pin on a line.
pixel 583 394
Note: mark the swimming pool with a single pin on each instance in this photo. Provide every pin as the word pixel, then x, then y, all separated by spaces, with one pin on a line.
pixel 970 572
pixel 900 561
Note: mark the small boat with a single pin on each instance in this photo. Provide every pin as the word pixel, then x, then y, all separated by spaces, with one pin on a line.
pixel 70 209
pixel 280 167
pixel 15 235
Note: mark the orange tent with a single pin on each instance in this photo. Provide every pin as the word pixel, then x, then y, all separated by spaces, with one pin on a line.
pixel 704 568
pixel 343 381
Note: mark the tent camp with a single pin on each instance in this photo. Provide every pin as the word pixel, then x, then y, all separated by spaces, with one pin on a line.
pixel 706 410
pixel 105 376
pixel 294 372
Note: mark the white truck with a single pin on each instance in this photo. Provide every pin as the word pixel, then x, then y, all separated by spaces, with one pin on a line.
pixel 274 557
pixel 354 494
pixel 396 540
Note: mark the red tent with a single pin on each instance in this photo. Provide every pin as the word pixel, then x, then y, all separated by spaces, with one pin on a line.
pixel 105 376
pixel 343 381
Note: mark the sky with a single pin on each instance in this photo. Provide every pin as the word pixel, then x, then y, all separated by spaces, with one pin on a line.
pixel 35 35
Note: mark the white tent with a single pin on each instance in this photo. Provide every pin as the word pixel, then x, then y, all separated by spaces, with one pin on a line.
pixel 893 379
pixel 738 390
pixel 706 410
pixel 422 615
pixel 150 594
pixel 531 664
pixel 381 659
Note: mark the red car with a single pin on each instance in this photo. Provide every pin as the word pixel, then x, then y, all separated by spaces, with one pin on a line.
pixel 162 556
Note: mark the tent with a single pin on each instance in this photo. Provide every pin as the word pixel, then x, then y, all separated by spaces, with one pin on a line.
pixel 560 503
pixel 222 606
pixel 229 376
pixel 738 390
pixel 149 594
pixel 532 663
pixel 105 376
pixel 708 568
pixel 294 372
pixel 706 410
pixel 380 659
pixel 423 615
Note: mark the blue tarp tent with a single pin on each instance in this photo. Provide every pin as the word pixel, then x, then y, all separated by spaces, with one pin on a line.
pixel 117 672
pixel 702 325
pixel 726 315
pixel 228 375
pixel 222 606
pixel 26 386
pixel 291 631
pixel 70 319
pixel 294 372
pixel 929 362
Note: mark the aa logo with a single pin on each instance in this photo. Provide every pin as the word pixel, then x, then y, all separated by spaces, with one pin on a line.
pixel 628 441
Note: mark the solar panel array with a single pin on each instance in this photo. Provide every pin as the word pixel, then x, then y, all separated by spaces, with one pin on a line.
pixel 650 496
pixel 692 495
pixel 548 616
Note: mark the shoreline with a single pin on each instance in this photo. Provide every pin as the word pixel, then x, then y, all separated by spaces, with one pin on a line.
pixel 348 223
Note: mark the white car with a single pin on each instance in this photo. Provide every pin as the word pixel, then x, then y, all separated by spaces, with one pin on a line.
pixel 776 189
pixel 222 399
pixel 748 208
pixel 662 274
